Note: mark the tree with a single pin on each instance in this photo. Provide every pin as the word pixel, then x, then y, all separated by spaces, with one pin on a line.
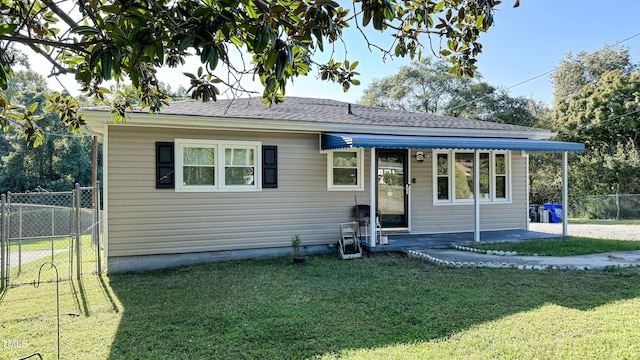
pixel 426 86
pixel 102 40
pixel 423 86
pixel 576 72
pixel 62 160
pixel 606 117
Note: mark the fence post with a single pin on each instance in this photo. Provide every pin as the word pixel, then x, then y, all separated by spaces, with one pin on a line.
pixel 96 222
pixel 3 250
pixel 77 225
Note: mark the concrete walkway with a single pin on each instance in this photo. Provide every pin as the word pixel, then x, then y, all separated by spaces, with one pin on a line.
pixel 591 261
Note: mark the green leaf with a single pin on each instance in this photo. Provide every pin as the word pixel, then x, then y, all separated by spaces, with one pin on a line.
pixel 7 28
pixel 85 30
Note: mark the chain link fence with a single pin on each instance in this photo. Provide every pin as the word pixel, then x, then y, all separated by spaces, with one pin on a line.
pixel 616 206
pixel 58 227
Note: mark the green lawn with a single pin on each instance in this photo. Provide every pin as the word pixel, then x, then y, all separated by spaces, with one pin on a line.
pixel 379 307
pixel 604 221
pixel 572 245
pixel 32 260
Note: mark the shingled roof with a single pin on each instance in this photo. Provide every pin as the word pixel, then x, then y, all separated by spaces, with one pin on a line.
pixel 326 111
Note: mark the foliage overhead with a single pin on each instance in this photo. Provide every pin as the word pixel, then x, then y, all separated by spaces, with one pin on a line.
pixel 101 40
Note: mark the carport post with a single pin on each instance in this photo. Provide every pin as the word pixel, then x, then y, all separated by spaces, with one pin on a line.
pixel 565 193
pixel 372 207
pixel 476 195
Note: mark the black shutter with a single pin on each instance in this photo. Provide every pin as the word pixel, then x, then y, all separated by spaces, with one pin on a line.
pixel 165 174
pixel 269 167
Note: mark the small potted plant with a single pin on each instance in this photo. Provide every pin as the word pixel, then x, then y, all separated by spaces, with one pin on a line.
pixel 296 241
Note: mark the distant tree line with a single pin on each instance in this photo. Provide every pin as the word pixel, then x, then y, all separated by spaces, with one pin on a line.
pixel 63 159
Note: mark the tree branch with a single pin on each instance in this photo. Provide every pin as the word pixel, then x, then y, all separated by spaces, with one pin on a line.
pixel 61 70
pixel 80 47
pixel 63 15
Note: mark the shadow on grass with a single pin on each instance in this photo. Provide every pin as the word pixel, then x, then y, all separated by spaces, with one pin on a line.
pixel 272 309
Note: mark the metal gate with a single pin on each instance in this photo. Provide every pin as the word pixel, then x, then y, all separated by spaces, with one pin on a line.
pixel 58 227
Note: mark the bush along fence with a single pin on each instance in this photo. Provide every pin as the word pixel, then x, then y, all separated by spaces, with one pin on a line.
pixel 615 206
pixel 63 228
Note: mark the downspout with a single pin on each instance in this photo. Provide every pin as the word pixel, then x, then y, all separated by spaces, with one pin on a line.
pixel 372 207
pixel 476 195
pixel 565 193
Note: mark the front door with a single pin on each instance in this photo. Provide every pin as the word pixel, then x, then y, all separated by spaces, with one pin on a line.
pixel 393 197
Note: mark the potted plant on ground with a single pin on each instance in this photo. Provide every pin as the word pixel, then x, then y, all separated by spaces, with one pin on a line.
pixel 296 242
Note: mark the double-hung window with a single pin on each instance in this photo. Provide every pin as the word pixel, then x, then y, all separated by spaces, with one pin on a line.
pixel 209 165
pixel 453 176
pixel 345 170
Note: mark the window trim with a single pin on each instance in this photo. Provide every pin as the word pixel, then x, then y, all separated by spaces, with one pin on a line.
pixel 220 165
pixel 359 168
pixel 451 178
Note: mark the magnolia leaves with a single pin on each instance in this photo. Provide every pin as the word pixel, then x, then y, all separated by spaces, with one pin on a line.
pixel 23 117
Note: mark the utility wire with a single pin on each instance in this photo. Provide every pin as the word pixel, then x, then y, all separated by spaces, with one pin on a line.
pixel 547 72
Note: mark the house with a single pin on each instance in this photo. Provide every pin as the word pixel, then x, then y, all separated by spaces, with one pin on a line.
pixel 236 179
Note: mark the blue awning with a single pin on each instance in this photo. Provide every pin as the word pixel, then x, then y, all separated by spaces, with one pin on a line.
pixel 332 141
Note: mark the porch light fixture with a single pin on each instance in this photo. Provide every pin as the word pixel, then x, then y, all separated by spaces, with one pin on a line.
pixel 420 156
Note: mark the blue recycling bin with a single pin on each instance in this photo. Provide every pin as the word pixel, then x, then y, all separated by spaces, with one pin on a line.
pixel 555 212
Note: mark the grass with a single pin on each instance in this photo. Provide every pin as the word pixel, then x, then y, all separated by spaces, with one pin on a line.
pixel 379 307
pixel 31 262
pixel 42 243
pixel 604 221
pixel 572 245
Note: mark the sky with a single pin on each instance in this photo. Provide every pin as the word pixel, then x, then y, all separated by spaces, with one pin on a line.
pixel 524 43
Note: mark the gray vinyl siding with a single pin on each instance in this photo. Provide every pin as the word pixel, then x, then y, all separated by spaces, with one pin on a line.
pixel 427 218
pixel 144 220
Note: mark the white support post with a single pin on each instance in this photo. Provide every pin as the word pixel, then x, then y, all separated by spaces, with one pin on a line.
pixel 476 195
pixel 373 183
pixel 565 193
pixel 527 185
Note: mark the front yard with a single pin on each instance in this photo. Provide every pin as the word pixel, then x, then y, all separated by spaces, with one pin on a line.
pixel 379 307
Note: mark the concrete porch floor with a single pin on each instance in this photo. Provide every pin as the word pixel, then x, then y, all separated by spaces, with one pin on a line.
pixel 402 242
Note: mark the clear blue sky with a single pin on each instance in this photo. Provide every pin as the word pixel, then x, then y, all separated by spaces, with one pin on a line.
pixel 524 42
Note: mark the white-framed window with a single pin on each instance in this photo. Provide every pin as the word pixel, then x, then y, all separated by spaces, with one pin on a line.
pixel 345 170
pixel 453 172
pixel 216 165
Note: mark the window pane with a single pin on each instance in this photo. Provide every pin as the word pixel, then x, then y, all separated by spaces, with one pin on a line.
pixel 443 164
pixel 443 188
pixel 484 176
pixel 500 164
pixel 345 159
pixel 464 175
pixel 238 176
pixel 198 175
pixel 238 157
pixel 198 156
pixel 501 187
pixel 345 176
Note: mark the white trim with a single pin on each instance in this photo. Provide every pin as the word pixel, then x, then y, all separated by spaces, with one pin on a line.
pixel 359 169
pixel 451 177
pixel 219 165
pixel 105 192
pixel 565 193
pixel 373 196
pixel 476 193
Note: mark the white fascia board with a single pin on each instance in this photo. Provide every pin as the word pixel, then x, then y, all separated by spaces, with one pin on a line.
pixel 95 120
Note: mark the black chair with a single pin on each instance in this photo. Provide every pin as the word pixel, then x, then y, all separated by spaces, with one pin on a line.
pixel 362 215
